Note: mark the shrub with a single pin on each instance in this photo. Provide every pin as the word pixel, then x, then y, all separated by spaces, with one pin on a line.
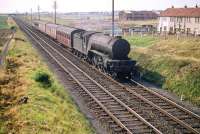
pixel 43 78
pixel 13 28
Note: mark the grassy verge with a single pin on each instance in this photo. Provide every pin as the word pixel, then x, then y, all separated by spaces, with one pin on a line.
pixel 141 41
pixel 32 101
pixel 174 65
pixel 3 22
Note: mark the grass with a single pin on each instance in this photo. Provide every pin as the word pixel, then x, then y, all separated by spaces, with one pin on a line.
pixel 3 22
pixel 29 106
pixel 141 41
pixel 62 21
pixel 173 65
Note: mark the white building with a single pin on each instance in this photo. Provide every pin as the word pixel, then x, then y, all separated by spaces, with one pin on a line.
pixel 182 20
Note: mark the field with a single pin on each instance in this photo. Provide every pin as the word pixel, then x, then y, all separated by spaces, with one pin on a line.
pixel 141 41
pixel 31 99
pixel 172 64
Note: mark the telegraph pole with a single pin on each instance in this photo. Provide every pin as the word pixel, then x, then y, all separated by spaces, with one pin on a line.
pixel 55 7
pixel 38 12
pixel 31 16
pixel 113 18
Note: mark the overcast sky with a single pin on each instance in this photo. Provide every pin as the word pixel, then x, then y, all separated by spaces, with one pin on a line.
pixel 91 5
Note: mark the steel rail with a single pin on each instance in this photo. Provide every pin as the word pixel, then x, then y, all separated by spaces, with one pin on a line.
pixel 168 100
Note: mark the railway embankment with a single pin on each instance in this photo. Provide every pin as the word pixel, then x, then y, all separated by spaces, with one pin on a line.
pixel 171 64
pixel 31 99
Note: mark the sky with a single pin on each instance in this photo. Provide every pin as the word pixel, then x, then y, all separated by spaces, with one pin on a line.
pixel 9 6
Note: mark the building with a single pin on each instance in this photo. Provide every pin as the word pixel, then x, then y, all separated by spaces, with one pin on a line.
pixel 180 20
pixel 139 29
pixel 137 15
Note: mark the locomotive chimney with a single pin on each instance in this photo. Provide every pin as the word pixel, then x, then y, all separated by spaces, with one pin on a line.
pixel 118 37
pixel 185 6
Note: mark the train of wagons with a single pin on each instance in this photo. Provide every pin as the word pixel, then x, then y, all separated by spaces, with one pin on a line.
pixel 110 54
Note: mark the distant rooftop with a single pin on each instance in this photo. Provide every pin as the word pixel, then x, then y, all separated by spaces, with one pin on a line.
pixel 182 12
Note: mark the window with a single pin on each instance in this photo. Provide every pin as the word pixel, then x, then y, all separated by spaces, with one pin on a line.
pixel 165 28
pixel 171 19
pixel 171 29
pixel 181 19
pixel 197 19
pixel 187 19
pixel 188 30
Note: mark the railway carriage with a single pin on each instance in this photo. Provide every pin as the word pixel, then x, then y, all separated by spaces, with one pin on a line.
pixel 65 35
pixel 51 30
pixel 40 25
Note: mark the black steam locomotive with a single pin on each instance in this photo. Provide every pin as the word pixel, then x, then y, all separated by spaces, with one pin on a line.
pixel 110 54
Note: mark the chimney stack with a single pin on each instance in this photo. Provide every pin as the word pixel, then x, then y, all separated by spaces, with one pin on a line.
pixel 185 6
pixel 196 6
pixel 172 6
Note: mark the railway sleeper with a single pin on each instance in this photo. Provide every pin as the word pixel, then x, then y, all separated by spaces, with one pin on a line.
pixel 140 131
pixel 114 126
pixel 100 93
pixel 162 104
pixel 107 98
pixel 167 107
pixel 196 125
pixel 117 113
pixel 107 101
pixel 110 103
pixel 156 100
pixel 104 116
pixel 118 109
pixel 184 117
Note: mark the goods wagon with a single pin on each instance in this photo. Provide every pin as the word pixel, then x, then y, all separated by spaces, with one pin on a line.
pixel 51 30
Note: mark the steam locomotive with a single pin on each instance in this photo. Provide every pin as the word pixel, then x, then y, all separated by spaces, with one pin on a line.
pixel 110 54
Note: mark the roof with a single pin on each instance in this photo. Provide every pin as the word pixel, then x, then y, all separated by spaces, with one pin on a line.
pixel 52 25
pixel 89 33
pixel 40 22
pixel 182 12
pixel 66 29
pixel 139 12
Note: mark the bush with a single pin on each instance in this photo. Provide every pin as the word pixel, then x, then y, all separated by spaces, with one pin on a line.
pixel 43 78
pixel 13 28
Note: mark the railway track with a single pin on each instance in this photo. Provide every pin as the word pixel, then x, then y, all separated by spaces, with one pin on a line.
pixel 5 37
pixel 130 109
